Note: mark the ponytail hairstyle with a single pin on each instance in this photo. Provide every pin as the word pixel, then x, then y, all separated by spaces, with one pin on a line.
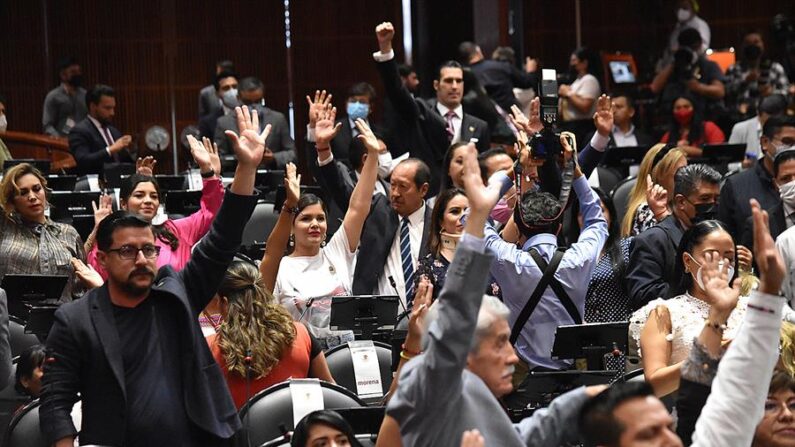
pixel 256 325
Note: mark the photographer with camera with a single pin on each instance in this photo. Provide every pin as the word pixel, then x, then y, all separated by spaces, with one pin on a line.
pixel 691 72
pixel 754 77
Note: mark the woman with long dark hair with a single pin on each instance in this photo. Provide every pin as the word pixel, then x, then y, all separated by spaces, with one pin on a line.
pixel 258 338
pixel 323 428
pixel 578 99
pixel 688 128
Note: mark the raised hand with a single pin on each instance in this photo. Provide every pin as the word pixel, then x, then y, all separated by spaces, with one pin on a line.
pixel 530 65
pixel 472 438
pixel 325 129
pixel 145 166
pixel 721 296
pixel 318 105
pixel 385 32
pixel 250 145
pixel 603 118
pixel 367 137
pixel 205 154
pixel 768 259
pixel 656 198
pixel 292 185
pixel 422 301
pixel 86 274
pixel 569 143
pixel 745 259
pixel 102 210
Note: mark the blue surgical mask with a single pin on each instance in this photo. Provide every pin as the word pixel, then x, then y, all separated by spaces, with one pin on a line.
pixel 358 110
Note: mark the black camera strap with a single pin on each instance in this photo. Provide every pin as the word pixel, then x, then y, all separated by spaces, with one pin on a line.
pixel 547 280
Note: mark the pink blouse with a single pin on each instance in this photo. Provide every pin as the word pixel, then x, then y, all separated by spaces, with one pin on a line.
pixel 188 230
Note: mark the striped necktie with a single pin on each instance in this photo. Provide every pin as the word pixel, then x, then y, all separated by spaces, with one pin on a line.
pixel 405 256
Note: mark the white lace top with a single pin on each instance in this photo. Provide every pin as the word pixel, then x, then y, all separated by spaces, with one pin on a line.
pixel 688 314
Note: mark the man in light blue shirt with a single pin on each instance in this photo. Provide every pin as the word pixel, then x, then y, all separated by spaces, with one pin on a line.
pixel 538 218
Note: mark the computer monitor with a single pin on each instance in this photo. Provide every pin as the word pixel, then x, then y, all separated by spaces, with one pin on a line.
pixel 65 205
pixel 591 342
pixel 61 182
pixel 622 72
pixel 363 313
pixel 84 224
pixel 115 171
pixel 25 291
pixel 171 182
pixel 42 165
pixel 268 180
pixel 183 203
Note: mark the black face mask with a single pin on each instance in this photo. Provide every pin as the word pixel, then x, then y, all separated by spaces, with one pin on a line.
pixel 704 211
pixel 75 80
pixel 752 52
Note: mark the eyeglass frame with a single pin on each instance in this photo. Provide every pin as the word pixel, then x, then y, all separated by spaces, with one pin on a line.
pixel 137 250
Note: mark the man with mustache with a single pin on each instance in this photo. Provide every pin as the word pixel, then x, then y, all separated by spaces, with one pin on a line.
pixel 133 349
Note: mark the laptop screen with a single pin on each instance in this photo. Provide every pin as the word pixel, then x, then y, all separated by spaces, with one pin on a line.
pixel 622 72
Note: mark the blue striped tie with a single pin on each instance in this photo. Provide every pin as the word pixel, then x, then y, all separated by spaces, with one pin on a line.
pixel 405 256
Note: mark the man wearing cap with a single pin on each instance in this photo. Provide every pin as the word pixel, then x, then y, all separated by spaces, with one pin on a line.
pixel 778 133
pixel 749 132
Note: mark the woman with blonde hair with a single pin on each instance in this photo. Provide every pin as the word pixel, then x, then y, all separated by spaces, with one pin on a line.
pixel 648 201
pixel 258 338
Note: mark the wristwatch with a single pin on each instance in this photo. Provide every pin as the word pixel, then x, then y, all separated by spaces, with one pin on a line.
pixel 208 174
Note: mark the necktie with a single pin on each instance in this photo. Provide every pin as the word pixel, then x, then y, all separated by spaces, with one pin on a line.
pixel 450 128
pixel 109 140
pixel 405 256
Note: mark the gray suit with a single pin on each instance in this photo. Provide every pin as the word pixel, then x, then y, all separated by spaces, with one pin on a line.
pixel 437 399
pixel 208 101
pixel 5 345
pixel 279 141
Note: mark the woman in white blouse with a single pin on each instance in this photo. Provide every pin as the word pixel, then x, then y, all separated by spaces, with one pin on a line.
pixel 665 329
pixel 578 100
pixel 317 270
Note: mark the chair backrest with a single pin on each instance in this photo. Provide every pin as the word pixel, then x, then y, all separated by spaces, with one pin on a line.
pixel 340 363
pixel 10 400
pixel 267 410
pixel 261 224
pixel 608 178
pixel 620 196
pixel 18 339
pixel 23 430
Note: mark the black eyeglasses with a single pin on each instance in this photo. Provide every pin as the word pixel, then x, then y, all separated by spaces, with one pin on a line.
pixel 130 252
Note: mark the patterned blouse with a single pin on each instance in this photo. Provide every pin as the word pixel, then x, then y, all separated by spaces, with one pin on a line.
pixel 644 219
pixel 45 249
pixel 436 270
pixel 607 298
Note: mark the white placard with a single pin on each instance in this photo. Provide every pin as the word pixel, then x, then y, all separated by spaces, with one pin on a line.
pixel 366 370
pixel 93 182
pixel 195 179
pixel 307 397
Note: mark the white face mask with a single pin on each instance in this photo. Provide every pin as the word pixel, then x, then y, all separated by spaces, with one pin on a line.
pixel 787 193
pixel 3 123
pixel 721 263
pixel 683 15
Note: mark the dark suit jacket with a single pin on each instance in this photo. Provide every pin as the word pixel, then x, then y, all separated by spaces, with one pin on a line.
pixel 208 122
pixel 652 259
pixel 734 207
pixel 499 79
pixel 378 232
pixel 279 141
pixel 425 127
pixel 88 147
pixel 84 344
pixel 777 221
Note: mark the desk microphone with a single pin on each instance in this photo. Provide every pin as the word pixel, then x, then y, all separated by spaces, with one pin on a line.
pixel 394 287
pixel 309 303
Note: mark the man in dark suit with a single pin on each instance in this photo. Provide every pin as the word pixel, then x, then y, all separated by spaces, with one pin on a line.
pixel 652 257
pixel 226 92
pixel 499 77
pixel 280 147
pixel 782 214
pixel 395 234
pixel 208 96
pixel 432 125
pixel 94 141
pixel 132 350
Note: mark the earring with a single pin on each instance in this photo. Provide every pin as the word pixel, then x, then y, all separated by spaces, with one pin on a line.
pixel 291 240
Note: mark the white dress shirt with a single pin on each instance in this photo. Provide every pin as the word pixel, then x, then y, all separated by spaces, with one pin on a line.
pixel 625 139
pixel 101 131
pixel 457 119
pixel 394 263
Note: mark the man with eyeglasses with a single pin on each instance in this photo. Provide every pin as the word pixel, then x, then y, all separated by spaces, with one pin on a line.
pixel 132 350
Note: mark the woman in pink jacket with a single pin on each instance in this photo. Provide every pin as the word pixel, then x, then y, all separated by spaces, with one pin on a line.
pixel 140 194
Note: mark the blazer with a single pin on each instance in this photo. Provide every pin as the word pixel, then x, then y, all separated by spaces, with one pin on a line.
pixel 208 122
pixel 652 259
pixel 5 343
pixel 424 126
pixel 88 147
pixel 208 101
pixel 776 220
pixel 87 357
pixel 734 207
pixel 279 141
pixel 378 232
